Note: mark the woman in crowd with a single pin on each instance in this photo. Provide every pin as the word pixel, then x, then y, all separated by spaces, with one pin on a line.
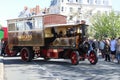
pixel 118 50
pixel 101 47
pixel 107 50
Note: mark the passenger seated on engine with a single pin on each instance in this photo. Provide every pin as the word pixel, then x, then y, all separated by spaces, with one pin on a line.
pixel 49 40
pixel 60 34
pixel 55 35
pixel 69 32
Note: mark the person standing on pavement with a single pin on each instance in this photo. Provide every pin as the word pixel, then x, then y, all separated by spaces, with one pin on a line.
pixel 3 45
pixel 118 50
pixel 2 48
pixel 113 48
pixel 101 47
pixel 107 50
pixel 96 45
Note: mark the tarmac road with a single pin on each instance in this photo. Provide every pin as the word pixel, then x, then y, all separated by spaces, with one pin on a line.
pixel 59 69
pixel 1 68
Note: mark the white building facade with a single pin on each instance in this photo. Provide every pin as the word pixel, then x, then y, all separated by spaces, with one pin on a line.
pixel 77 10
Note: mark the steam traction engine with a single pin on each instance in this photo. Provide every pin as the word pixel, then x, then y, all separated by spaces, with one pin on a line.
pixel 48 36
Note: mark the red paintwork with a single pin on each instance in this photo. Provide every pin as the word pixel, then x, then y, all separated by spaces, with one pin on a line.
pixel 24 54
pixel 92 57
pixel 74 58
pixel 54 19
pixel 5 29
pixel 50 53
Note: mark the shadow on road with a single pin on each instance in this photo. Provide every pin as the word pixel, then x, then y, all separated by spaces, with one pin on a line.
pixel 63 69
pixel 41 61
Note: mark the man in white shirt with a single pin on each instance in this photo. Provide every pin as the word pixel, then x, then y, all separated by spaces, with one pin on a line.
pixel 26 13
pixel 113 48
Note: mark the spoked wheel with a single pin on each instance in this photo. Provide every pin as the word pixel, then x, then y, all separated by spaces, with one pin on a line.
pixel 10 53
pixel 75 58
pixel 26 55
pixel 93 57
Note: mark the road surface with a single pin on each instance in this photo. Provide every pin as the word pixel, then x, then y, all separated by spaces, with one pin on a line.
pixel 59 69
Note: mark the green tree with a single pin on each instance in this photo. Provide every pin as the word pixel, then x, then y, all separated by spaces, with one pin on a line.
pixel 106 25
pixel 0 26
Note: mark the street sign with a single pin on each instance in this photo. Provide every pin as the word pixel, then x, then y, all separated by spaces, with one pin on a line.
pixel 1 34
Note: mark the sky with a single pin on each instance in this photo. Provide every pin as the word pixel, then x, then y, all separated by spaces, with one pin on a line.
pixel 10 8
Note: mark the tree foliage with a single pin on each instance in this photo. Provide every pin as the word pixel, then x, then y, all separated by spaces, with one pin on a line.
pixel 106 25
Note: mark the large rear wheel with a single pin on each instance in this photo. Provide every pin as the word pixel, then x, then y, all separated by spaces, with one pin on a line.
pixel 10 53
pixel 93 57
pixel 26 54
pixel 75 57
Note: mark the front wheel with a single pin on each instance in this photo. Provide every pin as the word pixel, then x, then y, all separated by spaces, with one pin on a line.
pixel 75 57
pixel 93 57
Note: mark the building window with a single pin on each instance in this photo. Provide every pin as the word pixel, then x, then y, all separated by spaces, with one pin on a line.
pixel 90 13
pixel 105 2
pixel 71 9
pixel 71 1
pixel 91 1
pixel 98 12
pixel 98 1
pixel 88 1
pixel 62 9
pixel 76 0
pixel 79 10
pixel 106 12
pixel 71 18
pixel 62 0
pixel 53 2
pixel 80 1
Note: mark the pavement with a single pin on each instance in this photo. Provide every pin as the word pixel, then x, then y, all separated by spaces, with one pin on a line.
pixel 1 68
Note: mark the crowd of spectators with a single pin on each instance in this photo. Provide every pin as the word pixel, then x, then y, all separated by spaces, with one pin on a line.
pixel 108 48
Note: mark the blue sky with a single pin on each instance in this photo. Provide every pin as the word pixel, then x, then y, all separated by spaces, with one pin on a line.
pixel 11 8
